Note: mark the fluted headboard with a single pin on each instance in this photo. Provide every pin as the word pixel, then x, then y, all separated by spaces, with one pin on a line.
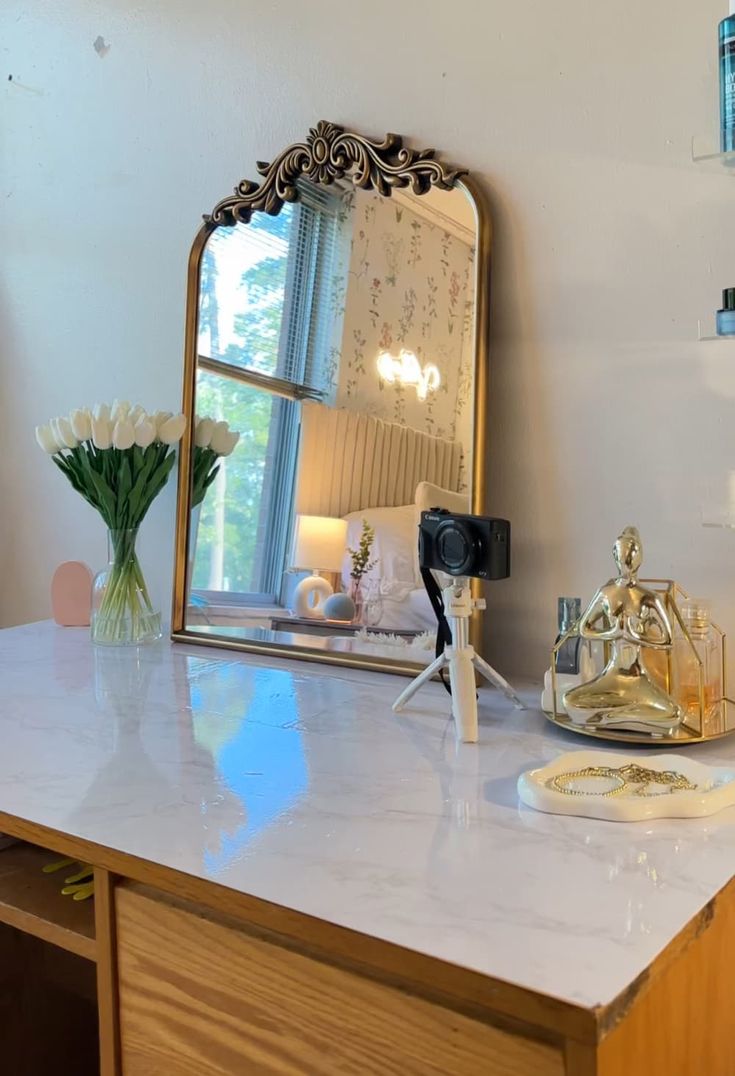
pixel 349 461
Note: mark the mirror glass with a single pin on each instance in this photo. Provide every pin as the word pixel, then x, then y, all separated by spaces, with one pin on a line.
pixel 337 340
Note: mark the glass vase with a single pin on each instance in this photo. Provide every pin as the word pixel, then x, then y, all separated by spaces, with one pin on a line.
pixel 358 598
pixel 372 607
pixel 122 611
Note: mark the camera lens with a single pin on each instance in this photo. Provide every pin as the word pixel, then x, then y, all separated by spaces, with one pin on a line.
pixel 456 546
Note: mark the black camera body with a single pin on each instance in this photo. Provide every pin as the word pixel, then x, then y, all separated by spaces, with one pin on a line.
pixel 460 545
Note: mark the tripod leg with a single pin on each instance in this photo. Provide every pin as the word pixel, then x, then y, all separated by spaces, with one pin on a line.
pixel 464 696
pixel 495 678
pixel 421 679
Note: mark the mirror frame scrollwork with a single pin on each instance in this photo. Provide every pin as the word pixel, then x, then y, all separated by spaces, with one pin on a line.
pixel 330 153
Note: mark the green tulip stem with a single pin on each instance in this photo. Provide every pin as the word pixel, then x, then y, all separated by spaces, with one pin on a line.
pixel 125 612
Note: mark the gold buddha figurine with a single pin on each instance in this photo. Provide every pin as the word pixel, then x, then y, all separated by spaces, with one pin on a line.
pixel 628 616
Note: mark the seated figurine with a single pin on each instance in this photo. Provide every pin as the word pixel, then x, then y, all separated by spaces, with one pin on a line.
pixel 627 616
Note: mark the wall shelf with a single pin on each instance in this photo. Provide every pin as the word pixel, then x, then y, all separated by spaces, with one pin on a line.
pixel 724 523
pixel 706 332
pixel 706 151
pixel 32 902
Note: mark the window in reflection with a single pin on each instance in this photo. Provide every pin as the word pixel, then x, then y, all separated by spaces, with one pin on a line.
pixel 248 722
pixel 244 504
pixel 243 281
pixel 266 300
pixel 267 305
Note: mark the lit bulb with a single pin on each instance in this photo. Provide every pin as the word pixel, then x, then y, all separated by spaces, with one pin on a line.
pixel 387 367
pixel 432 378
pixel 410 369
pixel 407 370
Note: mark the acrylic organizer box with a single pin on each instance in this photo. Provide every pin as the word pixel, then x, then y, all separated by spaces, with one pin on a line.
pixel 693 674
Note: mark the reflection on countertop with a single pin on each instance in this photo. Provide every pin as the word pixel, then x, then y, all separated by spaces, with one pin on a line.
pixel 296 784
pixel 388 647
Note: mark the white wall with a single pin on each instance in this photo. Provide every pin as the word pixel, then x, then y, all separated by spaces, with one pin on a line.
pixel 610 244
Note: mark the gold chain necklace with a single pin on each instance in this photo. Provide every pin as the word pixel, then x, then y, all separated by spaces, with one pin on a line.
pixel 630 774
pixel 639 775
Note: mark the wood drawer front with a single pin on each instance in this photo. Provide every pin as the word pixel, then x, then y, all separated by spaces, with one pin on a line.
pixel 199 998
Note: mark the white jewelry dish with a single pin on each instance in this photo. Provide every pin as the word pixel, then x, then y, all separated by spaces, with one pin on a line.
pixel 573 784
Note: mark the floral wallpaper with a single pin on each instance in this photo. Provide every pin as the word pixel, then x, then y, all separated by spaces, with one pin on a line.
pixel 409 284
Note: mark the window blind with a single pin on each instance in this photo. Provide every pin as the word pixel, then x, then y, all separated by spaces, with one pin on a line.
pixel 242 288
pixel 312 257
pixel 266 300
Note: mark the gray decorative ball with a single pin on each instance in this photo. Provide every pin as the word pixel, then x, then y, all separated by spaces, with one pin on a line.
pixel 339 607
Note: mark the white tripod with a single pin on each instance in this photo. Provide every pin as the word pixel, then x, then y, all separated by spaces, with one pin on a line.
pixel 461 660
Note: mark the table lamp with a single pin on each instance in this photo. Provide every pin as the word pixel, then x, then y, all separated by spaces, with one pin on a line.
pixel 319 546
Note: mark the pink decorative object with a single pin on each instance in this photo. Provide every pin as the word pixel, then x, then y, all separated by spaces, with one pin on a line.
pixel 71 594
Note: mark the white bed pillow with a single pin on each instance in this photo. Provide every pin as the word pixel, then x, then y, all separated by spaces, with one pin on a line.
pixel 430 496
pixel 394 547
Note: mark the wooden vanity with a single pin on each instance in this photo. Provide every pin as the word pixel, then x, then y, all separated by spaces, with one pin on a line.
pixel 290 879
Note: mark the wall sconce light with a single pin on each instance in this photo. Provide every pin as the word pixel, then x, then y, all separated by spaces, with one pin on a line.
pixel 407 370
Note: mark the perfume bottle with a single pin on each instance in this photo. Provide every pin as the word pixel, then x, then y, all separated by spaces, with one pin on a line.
pixel 567 656
pixel 656 664
pixel 574 663
pixel 696 616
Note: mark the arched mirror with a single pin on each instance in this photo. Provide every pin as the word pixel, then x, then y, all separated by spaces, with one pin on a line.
pixel 335 378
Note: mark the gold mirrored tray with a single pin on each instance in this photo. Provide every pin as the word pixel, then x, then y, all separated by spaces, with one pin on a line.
pixel 723 726
pixel 713 720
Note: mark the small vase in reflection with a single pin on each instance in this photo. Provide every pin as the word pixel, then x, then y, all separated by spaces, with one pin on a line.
pixel 372 608
pixel 358 598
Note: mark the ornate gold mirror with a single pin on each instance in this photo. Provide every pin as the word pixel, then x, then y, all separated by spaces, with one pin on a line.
pixel 337 320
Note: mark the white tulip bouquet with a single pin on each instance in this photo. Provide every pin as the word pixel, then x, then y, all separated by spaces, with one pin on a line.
pixel 212 441
pixel 119 458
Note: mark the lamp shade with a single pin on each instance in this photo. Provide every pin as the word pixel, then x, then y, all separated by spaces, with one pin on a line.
pixel 319 543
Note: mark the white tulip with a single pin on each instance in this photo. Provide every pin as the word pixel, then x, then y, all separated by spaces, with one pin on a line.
pixel 204 430
pixel 101 432
pixel 145 432
pixel 46 439
pixel 123 434
pixel 70 440
pixel 101 412
pixel 171 431
pixel 81 424
pixel 223 439
pixel 136 414
pixel 120 409
pixel 63 433
pixel 54 424
pixel 218 432
pixel 233 438
pixel 158 420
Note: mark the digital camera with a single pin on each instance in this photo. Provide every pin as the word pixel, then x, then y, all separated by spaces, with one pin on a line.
pixel 476 546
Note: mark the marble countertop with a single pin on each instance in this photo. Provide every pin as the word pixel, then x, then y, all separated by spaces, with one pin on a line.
pixel 296 783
